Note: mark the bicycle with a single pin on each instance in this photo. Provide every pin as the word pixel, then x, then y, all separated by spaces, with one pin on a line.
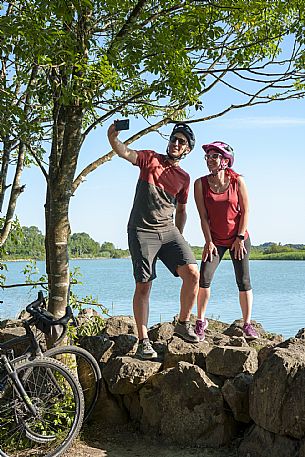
pixel 79 360
pixel 41 406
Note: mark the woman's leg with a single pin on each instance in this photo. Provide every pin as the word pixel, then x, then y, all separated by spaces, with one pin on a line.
pixel 246 301
pixel 202 301
pixel 207 270
pixel 242 275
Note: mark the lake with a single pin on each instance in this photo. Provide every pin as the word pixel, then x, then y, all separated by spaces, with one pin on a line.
pixel 278 286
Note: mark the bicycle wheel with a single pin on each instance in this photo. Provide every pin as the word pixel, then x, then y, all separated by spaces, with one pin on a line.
pixel 85 366
pixel 58 400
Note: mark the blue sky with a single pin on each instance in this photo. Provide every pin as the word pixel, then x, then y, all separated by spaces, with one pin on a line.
pixel 268 141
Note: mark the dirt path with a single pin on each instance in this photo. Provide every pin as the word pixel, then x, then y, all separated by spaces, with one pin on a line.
pixel 124 442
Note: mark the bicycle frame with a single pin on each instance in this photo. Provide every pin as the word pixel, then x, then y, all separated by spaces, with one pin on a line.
pixel 31 388
pixel 32 347
pixel 16 383
pixel 29 340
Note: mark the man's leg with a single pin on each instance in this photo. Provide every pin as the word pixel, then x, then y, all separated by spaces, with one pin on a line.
pixel 189 289
pixel 143 248
pixel 188 294
pixel 178 257
pixel 141 307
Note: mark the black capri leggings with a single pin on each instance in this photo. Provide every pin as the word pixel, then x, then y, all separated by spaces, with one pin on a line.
pixel 241 268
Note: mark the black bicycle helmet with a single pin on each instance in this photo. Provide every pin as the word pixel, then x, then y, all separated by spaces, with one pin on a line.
pixel 187 131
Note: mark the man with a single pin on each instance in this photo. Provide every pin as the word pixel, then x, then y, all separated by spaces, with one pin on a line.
pixel 162 189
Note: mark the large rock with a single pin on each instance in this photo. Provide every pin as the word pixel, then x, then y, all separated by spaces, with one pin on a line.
pixel 261 443
pixel 118 325
pixel 132 404
pixel 10 329
pixel 184 406
pixel 160 335
pixel 301 334
pixel 229 361
pixel 124 345
pixel 218 339
pixel 103 348
pixel 7 333
pixel 236 394
pixel 236 328
pixel 161 332
pixel 10 323
pixel 264 352
pixel 96 345
pixel 302 449
pixel 277 399
pixel 181 351
pixel 109 410
pixel 125 375
pixel 117 339
pixel 239 341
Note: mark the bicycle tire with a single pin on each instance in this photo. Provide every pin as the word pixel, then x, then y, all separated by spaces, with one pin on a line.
pixel 58 399
pixel 88 372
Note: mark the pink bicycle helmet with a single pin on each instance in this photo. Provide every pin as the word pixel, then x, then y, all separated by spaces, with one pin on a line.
pixel 223 148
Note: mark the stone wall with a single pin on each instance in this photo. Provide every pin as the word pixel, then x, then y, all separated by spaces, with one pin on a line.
pixel 223 390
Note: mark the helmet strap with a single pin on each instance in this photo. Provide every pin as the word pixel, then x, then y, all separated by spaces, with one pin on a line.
pixel 222 166
pixel 175 159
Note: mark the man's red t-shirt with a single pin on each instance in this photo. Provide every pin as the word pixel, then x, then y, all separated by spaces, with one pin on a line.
pixel 160 186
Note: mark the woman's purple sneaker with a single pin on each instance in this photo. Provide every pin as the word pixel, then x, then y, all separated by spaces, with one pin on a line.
pixel 200 327
pixel 250 331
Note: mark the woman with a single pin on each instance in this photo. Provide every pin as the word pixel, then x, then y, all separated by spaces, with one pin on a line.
pixel 222 202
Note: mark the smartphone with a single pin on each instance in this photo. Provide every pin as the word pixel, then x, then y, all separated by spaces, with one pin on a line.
pixel 122 124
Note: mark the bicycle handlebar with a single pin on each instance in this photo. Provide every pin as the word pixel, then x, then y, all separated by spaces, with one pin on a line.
pixel 44 320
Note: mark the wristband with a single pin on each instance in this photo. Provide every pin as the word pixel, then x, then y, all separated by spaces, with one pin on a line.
pixel 241 237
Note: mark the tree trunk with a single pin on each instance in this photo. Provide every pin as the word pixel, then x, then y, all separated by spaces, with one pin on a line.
pixel 16 190
pixel 63 160
pixel 4 169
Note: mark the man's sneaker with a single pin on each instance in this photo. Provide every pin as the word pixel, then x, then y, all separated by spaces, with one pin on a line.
pixel 250 331
pixel 146 351
pixel 200 327
pixel 186 331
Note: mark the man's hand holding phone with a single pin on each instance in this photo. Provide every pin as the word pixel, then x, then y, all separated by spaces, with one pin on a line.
pixel 122 124
pixel 120 148
pixel 116 127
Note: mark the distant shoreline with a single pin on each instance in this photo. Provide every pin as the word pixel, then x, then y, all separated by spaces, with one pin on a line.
pixel 283 256
pixel 71 258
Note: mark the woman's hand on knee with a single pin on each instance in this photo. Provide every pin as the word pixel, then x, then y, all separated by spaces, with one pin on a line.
pixel 238 247
pixel 208 251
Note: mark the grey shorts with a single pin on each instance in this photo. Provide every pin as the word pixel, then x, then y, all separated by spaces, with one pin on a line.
pixel 145 247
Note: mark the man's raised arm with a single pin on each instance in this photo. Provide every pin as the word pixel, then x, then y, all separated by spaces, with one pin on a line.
pixel 120 148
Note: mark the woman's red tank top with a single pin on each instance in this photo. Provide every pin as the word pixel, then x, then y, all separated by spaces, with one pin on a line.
pixel 223 212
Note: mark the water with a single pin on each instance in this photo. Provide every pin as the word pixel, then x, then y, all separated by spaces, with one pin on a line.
pixel 279 291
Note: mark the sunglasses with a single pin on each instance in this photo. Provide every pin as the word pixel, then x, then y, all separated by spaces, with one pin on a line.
pixel 181 141
pixel 216 155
